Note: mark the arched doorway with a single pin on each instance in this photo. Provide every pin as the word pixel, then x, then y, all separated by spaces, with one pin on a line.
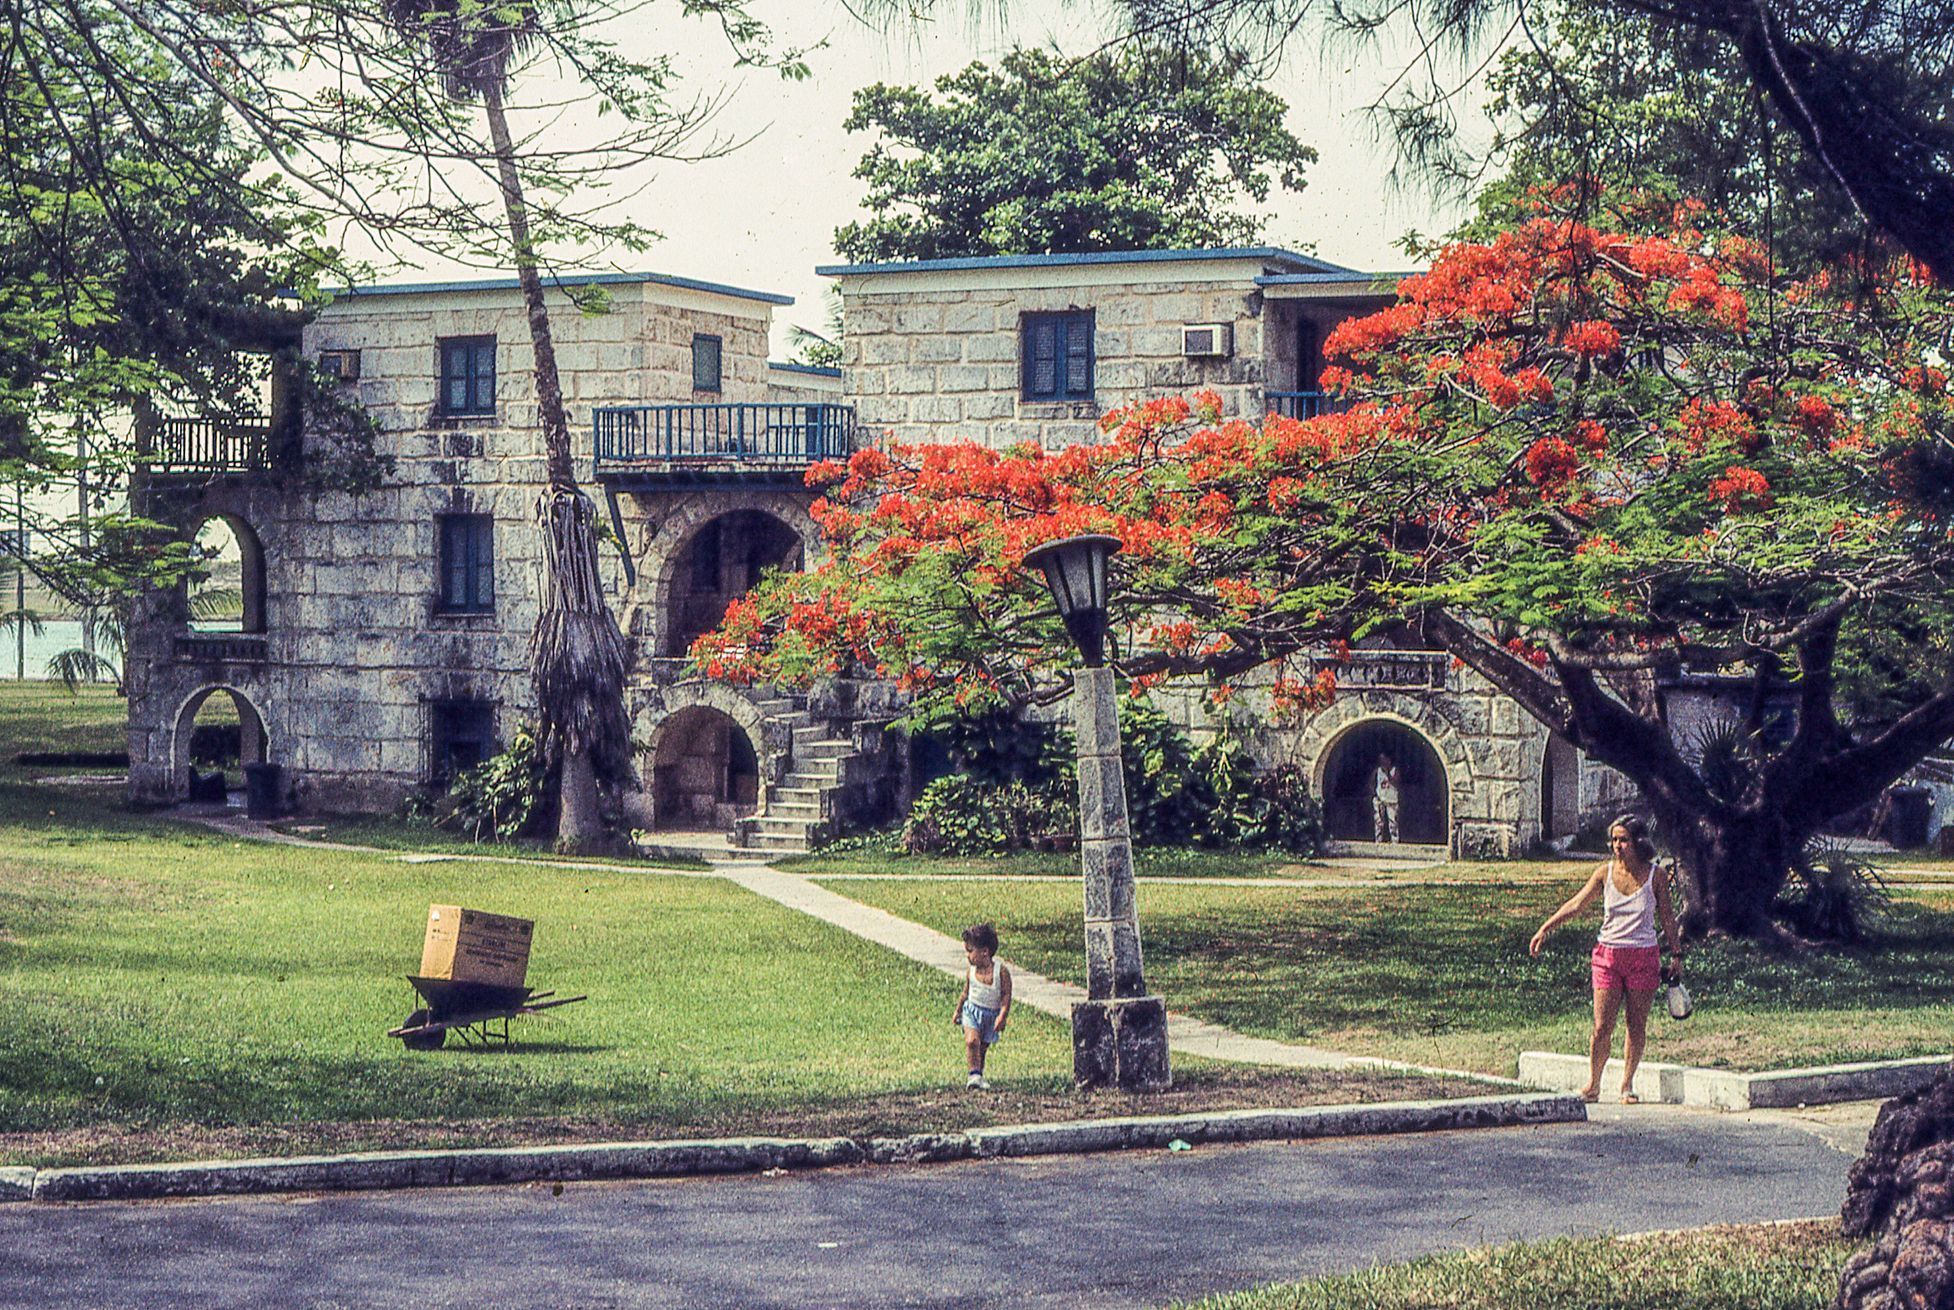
pixel 1560 789
pixel 227 593
pixel 720 563
pixel 1350 784
pixel 218 732
pixel 705 772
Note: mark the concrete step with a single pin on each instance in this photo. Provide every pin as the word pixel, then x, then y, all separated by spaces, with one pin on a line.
pixel 783 842
pixel 781 823
pixel 785 809
pixel 818 780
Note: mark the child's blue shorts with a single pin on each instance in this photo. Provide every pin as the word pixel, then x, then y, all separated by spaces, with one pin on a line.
pixel 983 1018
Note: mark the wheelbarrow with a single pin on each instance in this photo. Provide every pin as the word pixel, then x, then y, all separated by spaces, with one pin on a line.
pixel 478 1013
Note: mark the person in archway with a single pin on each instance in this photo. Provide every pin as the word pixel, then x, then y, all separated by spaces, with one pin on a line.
pixel 1384 799
pixel 1626 963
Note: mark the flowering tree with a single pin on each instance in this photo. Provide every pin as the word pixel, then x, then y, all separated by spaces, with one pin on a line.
pixel 1582 460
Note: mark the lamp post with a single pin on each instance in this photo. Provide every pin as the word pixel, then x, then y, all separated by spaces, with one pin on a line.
pixel 1119 1033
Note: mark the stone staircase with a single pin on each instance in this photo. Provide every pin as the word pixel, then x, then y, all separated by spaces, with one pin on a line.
pixel 798 809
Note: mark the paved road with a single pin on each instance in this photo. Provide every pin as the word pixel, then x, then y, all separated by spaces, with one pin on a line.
pixel 1135 1229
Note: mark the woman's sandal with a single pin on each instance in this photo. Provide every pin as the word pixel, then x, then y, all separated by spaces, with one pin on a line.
pixel 1630 1098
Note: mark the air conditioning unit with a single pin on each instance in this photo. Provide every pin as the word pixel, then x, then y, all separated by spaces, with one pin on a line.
pixel 340 365
pixel 1207 340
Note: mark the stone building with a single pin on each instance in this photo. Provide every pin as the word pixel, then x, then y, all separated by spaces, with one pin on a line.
pixel 383 639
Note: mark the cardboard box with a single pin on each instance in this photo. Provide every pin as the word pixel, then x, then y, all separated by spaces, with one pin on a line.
pixel 474 946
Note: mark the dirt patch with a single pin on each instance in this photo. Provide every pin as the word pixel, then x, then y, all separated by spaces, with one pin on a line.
pixel 890 1115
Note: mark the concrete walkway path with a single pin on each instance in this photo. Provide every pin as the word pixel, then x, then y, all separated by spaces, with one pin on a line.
pixel 1185 1035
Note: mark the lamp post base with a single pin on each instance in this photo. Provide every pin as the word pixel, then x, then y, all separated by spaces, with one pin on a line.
pixel 1121 1043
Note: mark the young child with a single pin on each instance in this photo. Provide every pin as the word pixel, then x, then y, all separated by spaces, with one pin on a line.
pixel 986 1000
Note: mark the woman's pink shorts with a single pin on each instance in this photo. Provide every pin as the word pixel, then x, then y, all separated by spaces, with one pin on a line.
pixel 1636 968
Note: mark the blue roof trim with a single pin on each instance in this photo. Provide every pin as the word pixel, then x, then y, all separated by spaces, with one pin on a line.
pixel 567 280
pixel 816 370
pixel 1263 253
pixel 1344 276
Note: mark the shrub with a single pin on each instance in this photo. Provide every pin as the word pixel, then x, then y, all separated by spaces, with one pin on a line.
pixel 956 815
pixel 1247 807
pixel 499 798
pixel 1833 896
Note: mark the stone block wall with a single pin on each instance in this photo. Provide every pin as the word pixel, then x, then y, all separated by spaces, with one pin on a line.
pixel 357 648
pixel 942 363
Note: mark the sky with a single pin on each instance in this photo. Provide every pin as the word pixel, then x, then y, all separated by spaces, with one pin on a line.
pixel 763 216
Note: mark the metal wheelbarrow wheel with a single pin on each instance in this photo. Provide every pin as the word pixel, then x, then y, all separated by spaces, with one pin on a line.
pixel 423 1041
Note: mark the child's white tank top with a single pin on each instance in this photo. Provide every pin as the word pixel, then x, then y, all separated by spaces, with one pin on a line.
pixel 990 994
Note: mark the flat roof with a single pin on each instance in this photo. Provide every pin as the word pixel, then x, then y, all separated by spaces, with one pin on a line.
pixel 1261 254
pixel 1342 276
pixel 818 370
pixel 566 280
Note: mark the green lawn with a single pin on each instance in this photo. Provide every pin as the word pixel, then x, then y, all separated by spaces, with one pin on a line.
pixel 387 832
pixel 1441 976
pixel 166 992
pixel 1756 1267
pixel 43 716
pixel 1167 862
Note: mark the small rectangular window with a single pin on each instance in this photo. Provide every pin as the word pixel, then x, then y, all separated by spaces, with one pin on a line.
pixel 461 734
pixel 340 365
pixel 705 362
pixel 467 563
pixel 467 375
pixel 1056 353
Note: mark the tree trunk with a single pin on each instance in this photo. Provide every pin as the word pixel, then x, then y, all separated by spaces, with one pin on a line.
pixel 1732 868
pixel 577 654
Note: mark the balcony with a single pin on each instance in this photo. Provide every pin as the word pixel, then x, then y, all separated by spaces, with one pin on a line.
pixel 220 647
pixel 205 447
pixel 675 443
pixel 1303 404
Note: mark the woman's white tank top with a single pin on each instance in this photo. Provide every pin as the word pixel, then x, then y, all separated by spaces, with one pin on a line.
pixel 1628 918
pixel 990 994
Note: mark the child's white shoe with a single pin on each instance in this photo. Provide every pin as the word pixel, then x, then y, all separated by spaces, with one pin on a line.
pixel 977 1083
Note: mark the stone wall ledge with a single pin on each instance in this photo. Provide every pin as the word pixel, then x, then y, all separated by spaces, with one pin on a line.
pixel 483 1167
pixel 1723 1089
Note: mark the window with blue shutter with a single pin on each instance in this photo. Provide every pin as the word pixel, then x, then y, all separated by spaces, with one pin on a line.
pixel 467 563
pixel 1057 355
pixel 705 362
pixel 467 375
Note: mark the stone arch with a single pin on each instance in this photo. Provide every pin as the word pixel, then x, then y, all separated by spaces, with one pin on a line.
pixel 669 561
pixel 1448 788
pixel 251 565
pixel 254 743
pixel 650 724
pixel 703 771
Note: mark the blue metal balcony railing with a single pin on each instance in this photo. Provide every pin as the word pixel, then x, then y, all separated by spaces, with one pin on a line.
pixel 205 445
pixel 633 438
pixel 1303 404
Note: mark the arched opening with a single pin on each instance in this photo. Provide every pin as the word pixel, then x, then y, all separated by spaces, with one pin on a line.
pixel 218 732
pixel 1351 787
pixel 705 772
pixel 227 592
pixel 721 562
pixel 1560 789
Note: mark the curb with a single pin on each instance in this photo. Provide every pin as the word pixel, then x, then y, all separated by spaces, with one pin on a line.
pixel 531 1164
pixel 1720 1089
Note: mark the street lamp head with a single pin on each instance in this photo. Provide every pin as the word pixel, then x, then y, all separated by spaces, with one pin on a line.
pixel 1075 570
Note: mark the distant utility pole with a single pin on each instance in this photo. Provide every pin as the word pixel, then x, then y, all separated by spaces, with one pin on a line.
pixel 20 582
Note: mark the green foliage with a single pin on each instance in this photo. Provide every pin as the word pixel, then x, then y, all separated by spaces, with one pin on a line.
pixel 1835 896
pixel 500 798
pixel 1017 778
pixel 1135 149
pixel 956 815
pixel 1621 102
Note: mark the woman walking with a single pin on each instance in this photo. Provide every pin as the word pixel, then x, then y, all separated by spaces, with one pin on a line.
pixel 1626 964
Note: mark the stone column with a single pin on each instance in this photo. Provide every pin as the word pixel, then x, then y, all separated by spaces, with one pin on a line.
pixel 1119 1035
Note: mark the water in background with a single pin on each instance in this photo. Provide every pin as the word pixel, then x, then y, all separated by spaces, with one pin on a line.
pixel 55 635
